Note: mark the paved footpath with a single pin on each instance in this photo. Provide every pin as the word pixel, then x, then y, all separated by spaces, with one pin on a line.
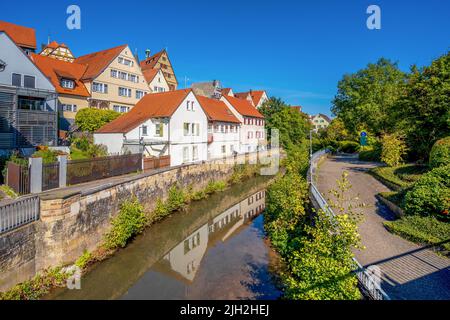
pixel 409 271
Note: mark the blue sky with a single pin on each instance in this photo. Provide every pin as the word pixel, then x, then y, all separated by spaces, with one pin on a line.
pixel 296 50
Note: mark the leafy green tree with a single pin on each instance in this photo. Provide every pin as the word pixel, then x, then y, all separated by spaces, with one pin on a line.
pixel 91 119
pixel 367 98
pixel 440 153
pixel 293 126
pixel 336 131
pixel 424 110
pixel 393 149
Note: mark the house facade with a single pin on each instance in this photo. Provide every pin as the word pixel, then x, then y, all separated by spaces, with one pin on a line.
pixel 114 79
pixel 253 135
pixel 224 128
pixel 28 100
pixel 57 51
pixel 161 61
pixel 66 78
pixel 156 81
pixel 170 123
pixel 320 121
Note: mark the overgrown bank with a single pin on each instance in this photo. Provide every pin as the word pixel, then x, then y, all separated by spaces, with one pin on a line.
pixel 129 221
pixel 316 248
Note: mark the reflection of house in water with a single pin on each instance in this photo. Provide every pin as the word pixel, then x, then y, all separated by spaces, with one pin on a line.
pixel 183 261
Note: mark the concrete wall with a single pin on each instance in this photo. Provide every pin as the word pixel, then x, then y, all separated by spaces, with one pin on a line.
pixel 73 221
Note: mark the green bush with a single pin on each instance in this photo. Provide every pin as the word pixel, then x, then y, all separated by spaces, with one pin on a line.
pixel 393 149
pixel 440 153
pixel 84 260
pixel 348 146
pixel 82 143
pixel 47 155
pixel 92 119
pixel 130 222
pixel 176 199
pixel 430 195
pixel 369 155
pixel 399 177
pixel 97 150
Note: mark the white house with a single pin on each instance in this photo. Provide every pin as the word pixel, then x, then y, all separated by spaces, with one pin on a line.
pixel 253 134
pixel 170 123
pixel 28 100
pixel 156 80
pixel 223 128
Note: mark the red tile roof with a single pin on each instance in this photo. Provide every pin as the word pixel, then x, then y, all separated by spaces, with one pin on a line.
pixel 54 45
pixel 22 36
pixel 256 96
pixel 98 61
pixel 216 110
pixel 150 62
pixel 244 107
pixel 150 74
pixel 156 105
pixel 241 95
pixel 57 69
pixel 226 91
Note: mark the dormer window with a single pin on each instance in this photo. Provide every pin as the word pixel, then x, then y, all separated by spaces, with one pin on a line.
pixel 67 83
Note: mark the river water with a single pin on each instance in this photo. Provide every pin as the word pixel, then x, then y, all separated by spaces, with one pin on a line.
pixel 214 250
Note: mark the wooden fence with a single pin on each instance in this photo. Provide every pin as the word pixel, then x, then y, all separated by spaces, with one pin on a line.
pixel 18 178
pixel 156 163
pixel 80 171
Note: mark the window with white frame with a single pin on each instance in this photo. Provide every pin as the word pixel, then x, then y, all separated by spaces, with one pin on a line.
pixel 114 73
pixel 195 153
pixel 16 80
pixel 125 62
pixel 69 107
pixel 159 129
pixel 99 87
pixel 124 92
pixel 186 128
pixel 224 149
pixel 29 82
pixel 67 83
pixel 144 130
pixel 121 109
pixel 185 154
pixel 139 94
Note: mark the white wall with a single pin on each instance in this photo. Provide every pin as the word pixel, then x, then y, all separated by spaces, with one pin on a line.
pixel 18 62
pixel 159 81
pixel 227 139
pixel 177 138
pixel 113 141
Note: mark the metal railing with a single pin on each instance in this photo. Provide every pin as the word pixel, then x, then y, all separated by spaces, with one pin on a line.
pixel 18 213
pixel 367 282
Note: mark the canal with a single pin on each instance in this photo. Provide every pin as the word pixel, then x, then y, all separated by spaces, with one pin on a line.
pixel 216 249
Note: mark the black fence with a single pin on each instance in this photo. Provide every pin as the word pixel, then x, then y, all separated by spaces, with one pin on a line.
pixel 50 176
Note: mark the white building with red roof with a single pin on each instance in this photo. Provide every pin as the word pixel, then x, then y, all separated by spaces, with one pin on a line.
pixel 223 128
pixel 169 123
pixel 253 134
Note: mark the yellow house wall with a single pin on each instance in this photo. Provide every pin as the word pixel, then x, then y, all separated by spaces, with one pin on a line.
pixel 113 83
pixel 80 102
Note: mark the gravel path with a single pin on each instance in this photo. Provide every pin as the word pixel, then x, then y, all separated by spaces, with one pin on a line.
pixel 409 271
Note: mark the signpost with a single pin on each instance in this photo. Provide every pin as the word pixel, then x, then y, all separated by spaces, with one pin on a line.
pixel 363 139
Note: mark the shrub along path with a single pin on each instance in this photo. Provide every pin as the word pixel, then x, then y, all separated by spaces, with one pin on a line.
pixel 409 271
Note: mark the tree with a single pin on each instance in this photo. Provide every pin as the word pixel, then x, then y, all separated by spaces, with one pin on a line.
pixel 424 110
pixel 293 126
pixel 91 119
pixel 336 131
pixel 367 98
pixel 393 149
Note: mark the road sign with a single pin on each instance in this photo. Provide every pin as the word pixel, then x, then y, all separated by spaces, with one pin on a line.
pixel 363 134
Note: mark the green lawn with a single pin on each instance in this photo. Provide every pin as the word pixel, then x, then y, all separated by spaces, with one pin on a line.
pixel 423 230
pixel 76 154
pixel 399 177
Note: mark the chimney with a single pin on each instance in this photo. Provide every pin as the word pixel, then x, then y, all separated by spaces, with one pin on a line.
pixel 147 53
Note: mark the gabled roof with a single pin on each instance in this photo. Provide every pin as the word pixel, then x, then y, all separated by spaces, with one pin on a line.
pixel 299 108
pixel 150 74
pixel 216 110
pixel 150 62
pixel 22 36
pixel 97 62
pixel 54 70
pixel 55 45
pixel 244 107
pixel 226 91
pixel 156 105
pixel 324 116
pixel 242 95
pixel 256 96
